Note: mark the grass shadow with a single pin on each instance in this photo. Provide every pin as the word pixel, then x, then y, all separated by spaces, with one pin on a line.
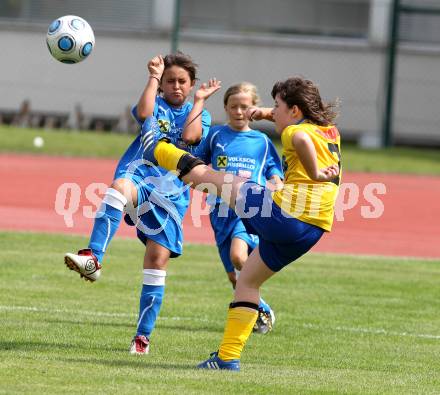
pixel 50 346
pixel 137 362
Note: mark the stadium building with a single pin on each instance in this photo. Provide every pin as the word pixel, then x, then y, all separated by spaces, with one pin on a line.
pixel 342 44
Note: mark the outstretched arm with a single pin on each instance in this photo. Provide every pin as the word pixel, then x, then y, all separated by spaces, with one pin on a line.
pixel 192 130
pixel 145 106
pixel 307 155
pixel 259 113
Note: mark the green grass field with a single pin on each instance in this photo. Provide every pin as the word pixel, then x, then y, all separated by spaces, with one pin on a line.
pixel 107 145
pixel 346 325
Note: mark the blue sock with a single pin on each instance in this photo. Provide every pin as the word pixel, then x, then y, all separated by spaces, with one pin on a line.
pixel 107 222
pixel 263 305
pixel 149 307
pixel 152 293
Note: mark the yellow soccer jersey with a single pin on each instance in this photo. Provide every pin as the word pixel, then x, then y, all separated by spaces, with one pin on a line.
pixel 309 201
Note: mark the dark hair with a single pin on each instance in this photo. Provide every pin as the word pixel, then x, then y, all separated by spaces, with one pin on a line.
pixel 183 61
pixel 305 94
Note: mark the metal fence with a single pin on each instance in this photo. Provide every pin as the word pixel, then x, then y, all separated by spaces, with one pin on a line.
pixel 415 23
pixel 342 44
pixel 342 18
pixel 102 14
pixel 419 21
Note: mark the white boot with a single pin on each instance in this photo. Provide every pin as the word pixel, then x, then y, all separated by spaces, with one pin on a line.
pixel 85 263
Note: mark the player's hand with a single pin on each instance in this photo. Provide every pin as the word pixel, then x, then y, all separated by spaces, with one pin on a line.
pixel 254 114
pixel 207 89
pixel 156 66
pixel 275 184
pixel 328 173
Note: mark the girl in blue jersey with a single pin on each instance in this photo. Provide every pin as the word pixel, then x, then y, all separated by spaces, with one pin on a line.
pixel 237 149
pixel 154 199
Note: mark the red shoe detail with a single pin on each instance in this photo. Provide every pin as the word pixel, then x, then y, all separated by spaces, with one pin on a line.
pixel 140 345
pixel 88 252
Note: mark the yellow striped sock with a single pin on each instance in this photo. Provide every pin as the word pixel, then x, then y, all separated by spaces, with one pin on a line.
pixel 168 155
pixel 238 327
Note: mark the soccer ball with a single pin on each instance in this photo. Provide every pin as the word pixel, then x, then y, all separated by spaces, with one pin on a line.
pixel 70 39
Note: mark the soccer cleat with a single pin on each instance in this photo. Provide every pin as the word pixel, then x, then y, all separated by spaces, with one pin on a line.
pixel 265 321
pixel 150 136
pixel 85 263
pixel 215 363
pixel 140 345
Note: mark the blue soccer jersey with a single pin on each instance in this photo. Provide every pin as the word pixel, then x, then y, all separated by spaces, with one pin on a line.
pixel 248 154
pixel 162 198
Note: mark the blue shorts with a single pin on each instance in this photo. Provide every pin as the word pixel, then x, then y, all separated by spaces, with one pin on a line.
pixel 227 228
pixel 283 239
pixel 162 201
pixel 156 219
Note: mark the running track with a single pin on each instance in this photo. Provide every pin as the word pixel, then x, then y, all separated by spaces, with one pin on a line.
pixel 378 214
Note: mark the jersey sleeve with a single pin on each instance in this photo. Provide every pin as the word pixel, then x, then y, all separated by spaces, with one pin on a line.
pixel 135 115
pixel 273 163
pixel 203 150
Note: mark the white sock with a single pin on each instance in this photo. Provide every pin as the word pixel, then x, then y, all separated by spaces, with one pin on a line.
pixel 154 277
pixel 115 199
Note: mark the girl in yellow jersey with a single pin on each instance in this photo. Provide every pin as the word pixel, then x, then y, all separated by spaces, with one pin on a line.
pixel 290 221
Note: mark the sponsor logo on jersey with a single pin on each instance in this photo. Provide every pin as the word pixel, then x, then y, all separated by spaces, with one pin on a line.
pixel 330 134
pixel 164 125
pixel 221 146
pixel 222 161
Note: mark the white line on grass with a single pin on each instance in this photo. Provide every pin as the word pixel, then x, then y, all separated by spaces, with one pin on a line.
pixel 369 331
pixel 92 313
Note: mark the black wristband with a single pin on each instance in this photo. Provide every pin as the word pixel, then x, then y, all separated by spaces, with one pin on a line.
pixel 186 163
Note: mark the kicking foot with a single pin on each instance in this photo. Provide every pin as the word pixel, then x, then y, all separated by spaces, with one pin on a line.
pixel 84 263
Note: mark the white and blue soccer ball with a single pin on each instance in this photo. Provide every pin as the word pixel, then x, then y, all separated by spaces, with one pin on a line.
pixel 70 39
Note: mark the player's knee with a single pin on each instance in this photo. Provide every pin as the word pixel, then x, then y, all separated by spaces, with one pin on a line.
pixel 126 188
pixel 120 185
pixel 155 260
pixel 238 260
